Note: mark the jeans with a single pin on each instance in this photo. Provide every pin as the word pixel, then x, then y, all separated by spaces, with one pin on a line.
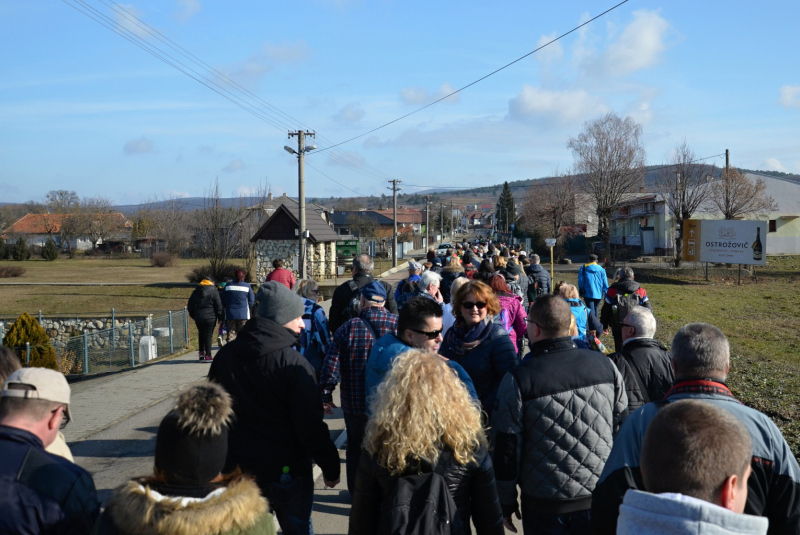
pixel 356 425
pixel 205 332
pixel 593 305
pixel 292 505
pixel 568 524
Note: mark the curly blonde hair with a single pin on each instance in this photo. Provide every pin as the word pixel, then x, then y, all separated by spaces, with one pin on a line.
pixel 421 407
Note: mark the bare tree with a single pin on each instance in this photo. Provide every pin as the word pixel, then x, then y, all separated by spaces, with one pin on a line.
pixel 217 230
pixel 167 220
pixel 97 219
pixel 610 161
pixel 549 208
pixel 61 201
pixel 361 225
pixel 736 196
pixel 252 216
pixel 686 188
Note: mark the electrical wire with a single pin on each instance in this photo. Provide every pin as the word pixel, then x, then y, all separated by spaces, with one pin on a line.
pixel 576 28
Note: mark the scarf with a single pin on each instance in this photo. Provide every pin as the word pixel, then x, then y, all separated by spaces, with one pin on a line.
pixel 461 339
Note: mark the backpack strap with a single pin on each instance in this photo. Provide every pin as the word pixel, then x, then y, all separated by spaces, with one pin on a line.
pixel 369 328
pixel 353 285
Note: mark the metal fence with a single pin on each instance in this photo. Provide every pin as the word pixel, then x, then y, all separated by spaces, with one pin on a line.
pixel 119 347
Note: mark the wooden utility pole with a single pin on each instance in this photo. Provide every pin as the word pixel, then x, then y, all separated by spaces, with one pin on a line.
pixel 727 160
pixel 441 218
pixel 394 189
pixel 427 219
pixel 301 195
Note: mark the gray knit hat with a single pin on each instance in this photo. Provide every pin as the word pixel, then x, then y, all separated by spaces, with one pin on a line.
pixel 278 303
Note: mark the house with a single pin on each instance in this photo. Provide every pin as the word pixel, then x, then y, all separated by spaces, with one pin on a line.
pixel 642 224
pixel 278 237
pixel 75 231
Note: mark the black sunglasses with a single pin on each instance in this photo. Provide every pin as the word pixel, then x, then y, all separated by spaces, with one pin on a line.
pixel 468 305
pixel 430 334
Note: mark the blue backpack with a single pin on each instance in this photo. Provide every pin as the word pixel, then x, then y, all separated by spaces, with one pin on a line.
pixel 311 346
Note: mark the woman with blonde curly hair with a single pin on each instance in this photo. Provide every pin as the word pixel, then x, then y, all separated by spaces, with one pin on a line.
pixel 423 419
pixel 479 343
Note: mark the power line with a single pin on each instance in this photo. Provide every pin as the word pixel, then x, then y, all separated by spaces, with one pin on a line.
pixel 334 181
pixel 479 79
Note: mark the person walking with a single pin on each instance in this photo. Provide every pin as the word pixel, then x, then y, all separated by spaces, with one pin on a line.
pixel 239 299
pixel 347 358
pixel 342 304
pixel 40 492
pixel 592 283
pixel 315 337
pixel 553 426
pixel 512 315
pixel 450 273
pixel 279 428
pixel 205 308
pixel 622 297
pixel 188 491
pixel 482 347
pixel 281 274
pixel 585 320
pixel 538 279
pixel 424 421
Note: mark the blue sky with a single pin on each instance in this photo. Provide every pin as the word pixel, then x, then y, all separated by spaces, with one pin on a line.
pixel 83 109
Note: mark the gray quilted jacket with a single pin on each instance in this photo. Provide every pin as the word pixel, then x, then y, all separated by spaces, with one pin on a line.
pixel 553 425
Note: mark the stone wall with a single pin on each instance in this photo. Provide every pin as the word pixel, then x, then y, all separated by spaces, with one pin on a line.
pixel 61 329
pixel 321 258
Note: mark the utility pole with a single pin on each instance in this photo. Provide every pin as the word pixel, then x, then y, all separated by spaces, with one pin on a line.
pixel 301 193
pixel 441 218
pixel 452 228
pixel 727 160
pixel 394 189
pixel 427 219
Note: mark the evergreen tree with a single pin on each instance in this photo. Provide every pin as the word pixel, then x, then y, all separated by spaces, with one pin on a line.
pixel 50 251
pixel 506 209
pixel 21 251
pixel 4 252
pixel 27 329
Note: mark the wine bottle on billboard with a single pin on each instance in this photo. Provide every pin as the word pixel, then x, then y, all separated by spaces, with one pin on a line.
pixel 758 249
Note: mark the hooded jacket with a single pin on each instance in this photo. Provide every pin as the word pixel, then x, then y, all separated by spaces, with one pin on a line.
pixel 517 326
pixel 646 368
pixel 450 274
pixel 343 294
pixel 137 508
pixel 674 514
pixel 472 488
pixel 621 287
pixel 773 489
pixel 592 281
pixel 542 276
pixel 205 304
pixel 553 426
pixel 278 414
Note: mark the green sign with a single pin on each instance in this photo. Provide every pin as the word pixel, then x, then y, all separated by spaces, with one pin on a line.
pixel 347 247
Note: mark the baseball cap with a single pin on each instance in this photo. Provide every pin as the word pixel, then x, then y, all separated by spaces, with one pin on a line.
pixel 374 291
pixel 414 266
pixel 38 383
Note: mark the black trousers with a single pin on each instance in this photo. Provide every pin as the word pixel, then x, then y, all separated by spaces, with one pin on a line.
pixel 205 333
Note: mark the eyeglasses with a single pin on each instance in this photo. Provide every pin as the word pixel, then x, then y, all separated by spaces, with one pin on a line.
pixel 628 325
pixel 469 305
pixel 315 291
pixel 430 334
pixel 64 416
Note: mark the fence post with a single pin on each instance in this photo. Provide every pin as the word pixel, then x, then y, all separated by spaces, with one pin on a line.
pixel 113 330
pixel 186 324
pixel 171 349
pixel 130 343
pixel 27 353
pixel 85 352
pixel 40 317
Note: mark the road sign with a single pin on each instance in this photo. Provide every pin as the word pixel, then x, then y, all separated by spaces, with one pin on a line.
pixel 347 247
pixel 725 241
pixel 513 226
pixel 550 242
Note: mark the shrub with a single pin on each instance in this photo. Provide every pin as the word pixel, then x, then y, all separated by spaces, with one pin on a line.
pixel 27 329
pixel 11 271
pixel 229 272
pixel 5 253
pixel 50 251
pixel 70 363
pixel 162 260
pixel 21 251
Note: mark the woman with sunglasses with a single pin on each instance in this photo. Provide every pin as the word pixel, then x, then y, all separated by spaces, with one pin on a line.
pixel 481 345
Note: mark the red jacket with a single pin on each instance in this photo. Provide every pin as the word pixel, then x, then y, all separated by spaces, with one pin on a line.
pixel 282 275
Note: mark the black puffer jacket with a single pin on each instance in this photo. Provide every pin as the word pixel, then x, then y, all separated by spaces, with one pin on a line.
pixel 472 488
pixel 644 364
pixel 449 274
pixel 278 413
pixel 205 304
pixel 542 276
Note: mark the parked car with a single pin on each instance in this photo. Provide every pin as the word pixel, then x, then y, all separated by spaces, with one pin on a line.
pixel 442 249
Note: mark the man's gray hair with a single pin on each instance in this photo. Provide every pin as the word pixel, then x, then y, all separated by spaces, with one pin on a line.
pixel 627 273
pixel 643 321
pixel 428 278
pixel 700 350
pixel 363 264
pixel 535 259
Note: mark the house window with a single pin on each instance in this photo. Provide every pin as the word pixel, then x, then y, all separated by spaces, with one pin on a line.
pixel 773 225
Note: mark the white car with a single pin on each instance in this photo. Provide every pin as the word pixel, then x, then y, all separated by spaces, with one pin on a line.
pixel 442 249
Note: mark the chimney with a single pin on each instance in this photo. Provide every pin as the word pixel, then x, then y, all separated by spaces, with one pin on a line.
pixel 269 196
pixel 284 195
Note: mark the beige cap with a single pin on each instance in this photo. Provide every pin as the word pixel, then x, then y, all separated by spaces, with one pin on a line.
pixel 40 383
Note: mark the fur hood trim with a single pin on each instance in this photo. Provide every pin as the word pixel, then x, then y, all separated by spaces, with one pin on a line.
pixel 204 409
pixel 136 510
pixel 453 269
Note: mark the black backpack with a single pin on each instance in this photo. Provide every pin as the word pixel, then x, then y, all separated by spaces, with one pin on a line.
pixel 534 288
pixel 623 305
pixel 354 305
pixel 421 504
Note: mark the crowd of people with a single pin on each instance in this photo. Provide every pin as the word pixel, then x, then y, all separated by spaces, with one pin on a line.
pixel 475 393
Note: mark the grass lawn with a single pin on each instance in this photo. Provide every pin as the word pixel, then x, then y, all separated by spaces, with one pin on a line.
pixel 101 270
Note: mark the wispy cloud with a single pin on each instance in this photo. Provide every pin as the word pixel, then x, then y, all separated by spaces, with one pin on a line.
pixel 639 46
pixel 138 146
pixel 415 96
pixel 235 165
pixel 550 53
pixel 258 64
pixel 126 17
pixel 560 107
pixel 773 164
pixel 206 149
pixel 186 9
pixel 790 96
pixel 351 113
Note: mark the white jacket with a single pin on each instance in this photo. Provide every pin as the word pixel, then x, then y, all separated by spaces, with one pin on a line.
pixel 642 513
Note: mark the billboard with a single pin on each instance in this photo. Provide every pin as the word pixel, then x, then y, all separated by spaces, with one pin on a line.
pixel 725 241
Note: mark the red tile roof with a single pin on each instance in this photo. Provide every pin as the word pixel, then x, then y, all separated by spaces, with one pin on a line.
pixel 51 223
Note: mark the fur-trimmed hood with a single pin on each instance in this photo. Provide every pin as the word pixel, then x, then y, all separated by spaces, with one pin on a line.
pixel 458 268
pixel 136 509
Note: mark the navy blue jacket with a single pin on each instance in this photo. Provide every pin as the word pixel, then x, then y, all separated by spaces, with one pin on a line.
pixel 41 492
pixel 239 297
pixel 487 364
